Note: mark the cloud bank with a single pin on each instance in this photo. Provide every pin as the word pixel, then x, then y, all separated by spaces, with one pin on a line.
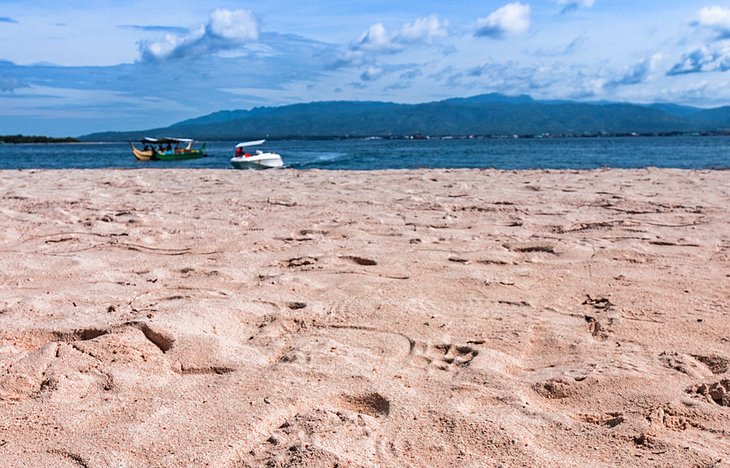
pixel 512 19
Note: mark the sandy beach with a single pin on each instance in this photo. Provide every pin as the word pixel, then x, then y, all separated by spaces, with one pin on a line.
pixel 386 318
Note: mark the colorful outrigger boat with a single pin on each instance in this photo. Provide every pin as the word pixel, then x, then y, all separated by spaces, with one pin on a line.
pixel 167 149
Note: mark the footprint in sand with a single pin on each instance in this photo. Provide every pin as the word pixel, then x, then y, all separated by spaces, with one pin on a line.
pixel 31 340
pixel 360 260
pixel 598 329
pixel 40 363
pixel 609 420
pixel 716 364
pixel 443 356
pixel 372 404
pixel 696 366
pixel 312 438
pixel 532 248
pixel 555 389
pixel 299 262
pixel 443 439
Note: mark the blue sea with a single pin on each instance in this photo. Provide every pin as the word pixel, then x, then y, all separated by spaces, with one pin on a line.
pixel 686 152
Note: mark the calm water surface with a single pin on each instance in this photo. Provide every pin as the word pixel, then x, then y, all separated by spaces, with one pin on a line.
pixel 580 153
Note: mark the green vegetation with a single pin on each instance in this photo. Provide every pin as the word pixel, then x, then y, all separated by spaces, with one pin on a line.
pixel 35 139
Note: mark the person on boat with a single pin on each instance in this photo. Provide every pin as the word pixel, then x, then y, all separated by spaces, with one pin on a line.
pixel 240 153
pixel 169 147
pixel 146 147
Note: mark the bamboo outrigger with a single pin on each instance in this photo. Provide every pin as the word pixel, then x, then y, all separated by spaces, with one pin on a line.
pixel 165 151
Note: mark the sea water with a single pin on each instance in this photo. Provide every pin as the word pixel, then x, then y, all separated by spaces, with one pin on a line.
pixel 686 152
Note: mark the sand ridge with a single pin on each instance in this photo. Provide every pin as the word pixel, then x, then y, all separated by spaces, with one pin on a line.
pixel 385 318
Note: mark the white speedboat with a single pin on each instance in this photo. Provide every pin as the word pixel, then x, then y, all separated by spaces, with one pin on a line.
pixel 258 160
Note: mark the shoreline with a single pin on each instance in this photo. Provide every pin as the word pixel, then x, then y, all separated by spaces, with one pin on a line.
pixel 366 171
pixel 429 317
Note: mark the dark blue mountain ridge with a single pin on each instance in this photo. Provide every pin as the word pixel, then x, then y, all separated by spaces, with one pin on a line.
pixel 486 114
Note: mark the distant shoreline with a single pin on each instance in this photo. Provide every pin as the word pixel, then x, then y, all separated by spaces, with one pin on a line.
pixel 545 136
pixel 35 139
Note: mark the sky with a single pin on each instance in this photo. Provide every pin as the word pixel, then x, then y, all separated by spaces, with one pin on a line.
pixel 73 67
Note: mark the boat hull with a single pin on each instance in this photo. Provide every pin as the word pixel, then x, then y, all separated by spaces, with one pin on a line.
pixel 259 161
pixel 178 156
pixel 141 155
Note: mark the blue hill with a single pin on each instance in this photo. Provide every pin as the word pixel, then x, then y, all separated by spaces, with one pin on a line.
pixel 487 114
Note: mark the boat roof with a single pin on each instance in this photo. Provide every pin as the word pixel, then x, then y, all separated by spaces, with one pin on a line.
pixel 250 143
pixel 165 140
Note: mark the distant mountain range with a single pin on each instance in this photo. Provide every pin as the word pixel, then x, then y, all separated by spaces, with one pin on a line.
pixel 488 115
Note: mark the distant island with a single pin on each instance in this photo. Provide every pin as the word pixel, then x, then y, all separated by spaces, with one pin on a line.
pixel 35 139
pixel 483 116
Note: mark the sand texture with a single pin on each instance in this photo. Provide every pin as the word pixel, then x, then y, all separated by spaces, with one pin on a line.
pixel 398 318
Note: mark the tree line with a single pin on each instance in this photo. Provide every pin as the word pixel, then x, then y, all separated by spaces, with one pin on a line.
pixel 35 139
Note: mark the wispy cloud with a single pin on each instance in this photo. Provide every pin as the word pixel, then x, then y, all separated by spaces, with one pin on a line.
pixel 5 19
pixel 512 19
pixel 636 74
pixel 371 74
pixel 411 74
pixel 545 81
pixel 572 5
pixel 225 30
pixel 559 51
pixel 156 28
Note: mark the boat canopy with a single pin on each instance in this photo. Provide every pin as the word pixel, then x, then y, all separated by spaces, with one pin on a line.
pixel 162 141
pixel 250 143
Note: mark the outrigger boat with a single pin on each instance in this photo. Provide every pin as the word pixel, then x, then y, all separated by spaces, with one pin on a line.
pixel 259 160
pixel 162 149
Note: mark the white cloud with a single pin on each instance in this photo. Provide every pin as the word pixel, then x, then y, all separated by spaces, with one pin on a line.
pixel 233 24
pixel 715 18
pixel 512 19
pixel 167 47
pixel 424 29
pixel 225 30
pixel 712 58
pixel 376 40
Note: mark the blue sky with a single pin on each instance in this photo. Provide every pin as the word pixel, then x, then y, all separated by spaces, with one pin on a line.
pixel 71 67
